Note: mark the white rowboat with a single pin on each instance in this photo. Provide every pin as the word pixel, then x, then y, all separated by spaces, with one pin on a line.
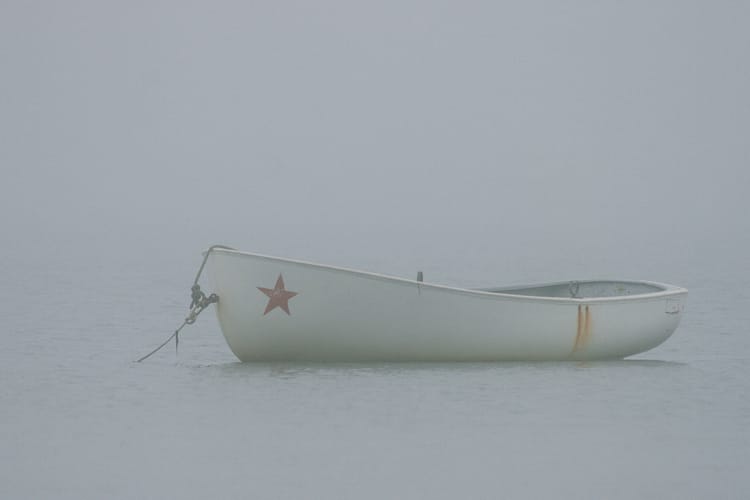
pixel 274 309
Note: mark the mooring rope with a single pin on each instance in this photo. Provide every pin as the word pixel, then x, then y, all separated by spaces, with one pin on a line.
pixel 174 335
pixel 198 302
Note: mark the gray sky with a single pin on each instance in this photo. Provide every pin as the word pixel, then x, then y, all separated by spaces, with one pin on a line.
pixel 242 122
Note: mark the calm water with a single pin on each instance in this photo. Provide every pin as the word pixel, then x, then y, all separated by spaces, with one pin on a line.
pixel 79 419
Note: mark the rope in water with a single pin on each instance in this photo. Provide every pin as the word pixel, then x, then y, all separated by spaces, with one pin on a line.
pixel 198 302
pixel 174 335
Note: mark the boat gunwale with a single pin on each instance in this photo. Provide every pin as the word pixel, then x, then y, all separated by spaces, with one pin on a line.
pixel 666 291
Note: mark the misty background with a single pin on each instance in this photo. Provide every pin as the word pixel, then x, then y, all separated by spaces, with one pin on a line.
pixel 386 129
pixel 485 143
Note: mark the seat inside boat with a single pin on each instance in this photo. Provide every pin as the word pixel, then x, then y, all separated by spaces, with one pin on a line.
pixel 582 289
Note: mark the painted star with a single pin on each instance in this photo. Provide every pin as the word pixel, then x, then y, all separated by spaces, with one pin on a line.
pixel 277 296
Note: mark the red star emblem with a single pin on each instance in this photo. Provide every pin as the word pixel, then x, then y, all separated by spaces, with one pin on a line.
pixel 277 297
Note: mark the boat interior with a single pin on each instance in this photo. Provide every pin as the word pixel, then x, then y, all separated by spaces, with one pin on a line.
pixel 582 289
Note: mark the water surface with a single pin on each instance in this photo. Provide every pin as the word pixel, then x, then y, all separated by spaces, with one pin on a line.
pixel 79 419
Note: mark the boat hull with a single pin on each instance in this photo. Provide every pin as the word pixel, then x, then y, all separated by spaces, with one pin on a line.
pixel 273 309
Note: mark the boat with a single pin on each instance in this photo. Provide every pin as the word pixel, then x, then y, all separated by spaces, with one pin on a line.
pixel 277 309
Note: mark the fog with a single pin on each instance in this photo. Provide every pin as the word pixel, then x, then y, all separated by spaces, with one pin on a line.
pixel 373 126
pixel 485 143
